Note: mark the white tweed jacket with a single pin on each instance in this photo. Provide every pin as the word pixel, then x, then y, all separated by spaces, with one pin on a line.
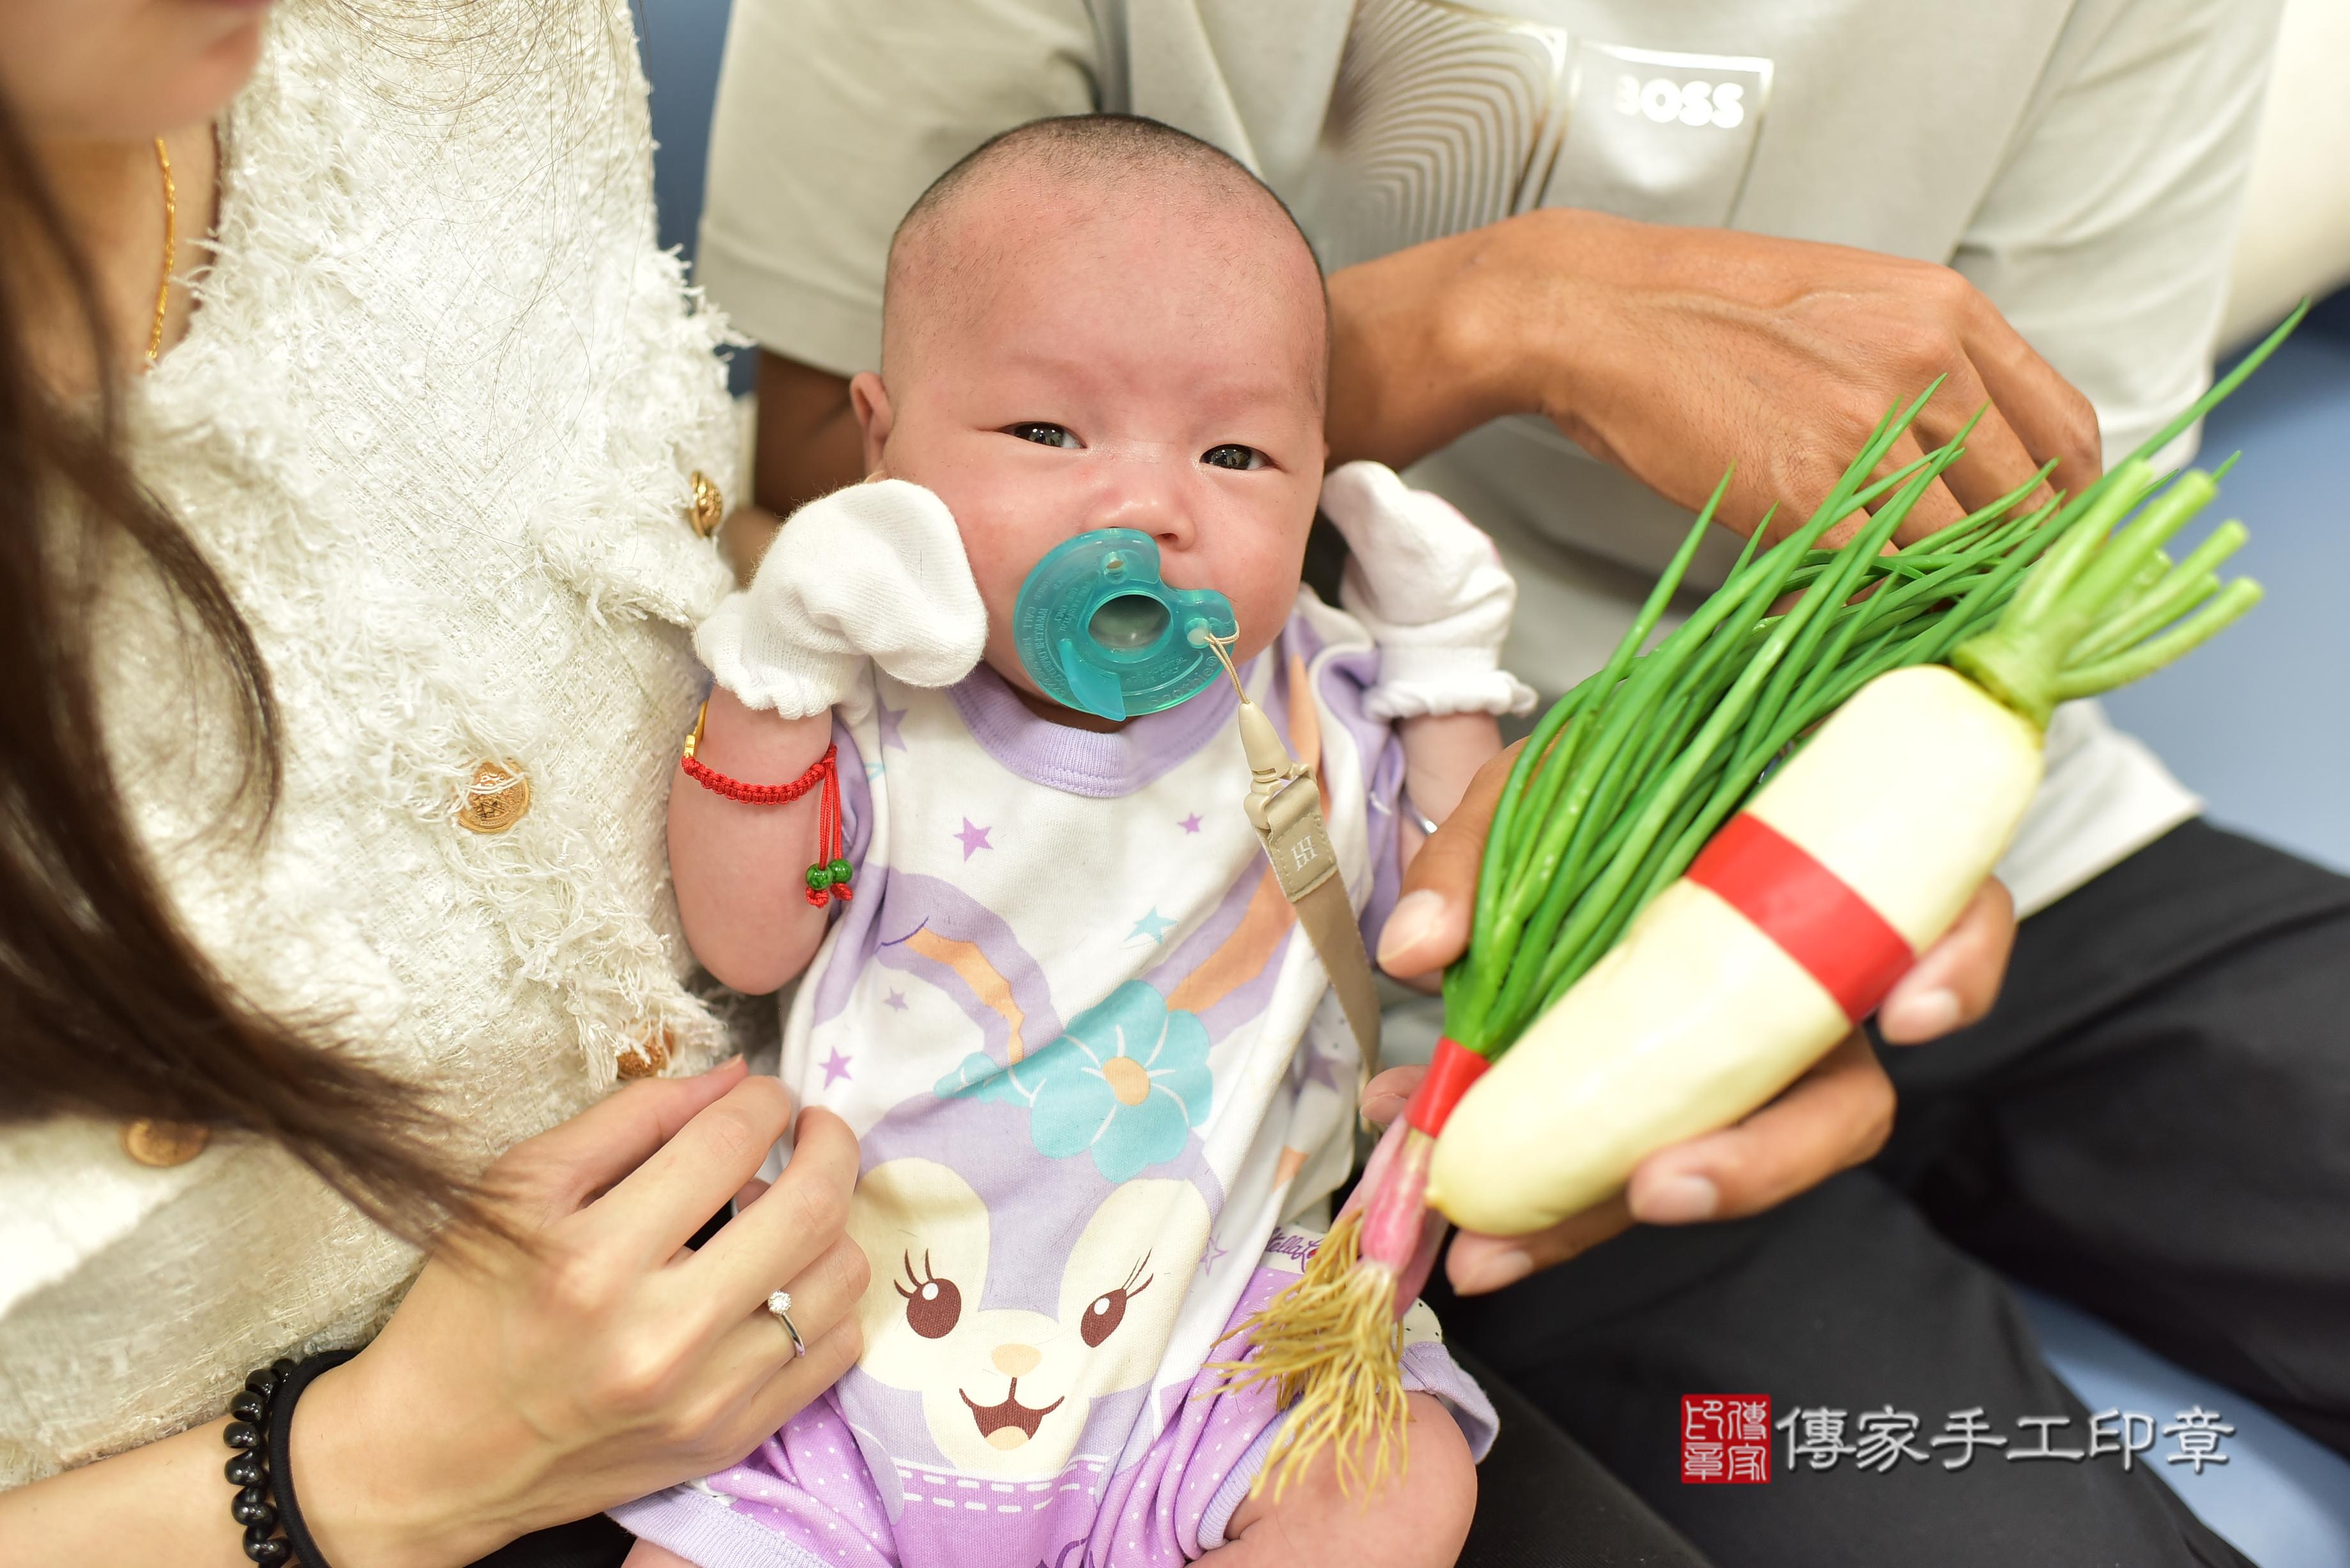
pixel 435 424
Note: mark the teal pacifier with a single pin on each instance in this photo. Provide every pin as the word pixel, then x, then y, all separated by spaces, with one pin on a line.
pixel 1098 629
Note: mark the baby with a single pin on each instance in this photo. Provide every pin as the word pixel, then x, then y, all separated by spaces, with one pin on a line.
pixel 1045 969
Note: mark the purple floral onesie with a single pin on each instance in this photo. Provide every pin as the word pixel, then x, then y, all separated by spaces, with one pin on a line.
pixel 1094 1067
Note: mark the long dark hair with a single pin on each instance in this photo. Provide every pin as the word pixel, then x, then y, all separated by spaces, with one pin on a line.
pixel 107 1008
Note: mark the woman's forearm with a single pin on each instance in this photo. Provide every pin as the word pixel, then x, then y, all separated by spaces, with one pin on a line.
pixel 165 1502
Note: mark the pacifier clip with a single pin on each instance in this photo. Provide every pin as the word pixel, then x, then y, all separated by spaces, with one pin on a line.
pixel 1284 805
pixel 828 875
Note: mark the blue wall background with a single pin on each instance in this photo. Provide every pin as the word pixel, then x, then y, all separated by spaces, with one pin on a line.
pixel 681 41
pixel 2259 721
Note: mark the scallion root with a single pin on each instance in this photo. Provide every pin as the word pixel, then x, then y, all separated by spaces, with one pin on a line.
pixel 1330 1346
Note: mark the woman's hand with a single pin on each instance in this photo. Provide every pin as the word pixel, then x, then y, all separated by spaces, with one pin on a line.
pixel 1834 1116
pixel 518 1388
pixel 1673 353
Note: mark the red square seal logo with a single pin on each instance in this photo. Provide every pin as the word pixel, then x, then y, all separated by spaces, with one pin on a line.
pixel 1725 1438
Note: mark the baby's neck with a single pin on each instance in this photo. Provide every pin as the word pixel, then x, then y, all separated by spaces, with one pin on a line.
pixel 1054 713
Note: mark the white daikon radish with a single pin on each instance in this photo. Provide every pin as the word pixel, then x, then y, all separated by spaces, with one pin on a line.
pixel 1698 1016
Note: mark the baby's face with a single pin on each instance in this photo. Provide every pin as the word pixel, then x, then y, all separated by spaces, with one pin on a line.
pixel 1110 363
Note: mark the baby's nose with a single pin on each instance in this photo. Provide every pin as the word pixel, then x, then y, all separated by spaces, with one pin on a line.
pixel 1017 1360
pixel 1151 500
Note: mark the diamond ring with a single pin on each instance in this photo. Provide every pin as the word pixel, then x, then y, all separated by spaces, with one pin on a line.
pixel 779 1303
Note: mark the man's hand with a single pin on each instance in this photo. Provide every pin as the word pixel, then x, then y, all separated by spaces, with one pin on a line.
pixel 1834 1116
pixel 1676 352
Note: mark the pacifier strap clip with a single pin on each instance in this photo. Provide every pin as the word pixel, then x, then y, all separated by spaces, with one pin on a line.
pixel 1284 804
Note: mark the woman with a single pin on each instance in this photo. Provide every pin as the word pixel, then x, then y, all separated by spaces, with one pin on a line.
pixel 341 580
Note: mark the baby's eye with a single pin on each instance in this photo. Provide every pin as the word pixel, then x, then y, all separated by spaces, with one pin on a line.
pixel 1043 434
pixel 1232 454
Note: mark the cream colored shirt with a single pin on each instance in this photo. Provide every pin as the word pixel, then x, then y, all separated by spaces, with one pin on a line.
pixel 435 424
pixel 2081 162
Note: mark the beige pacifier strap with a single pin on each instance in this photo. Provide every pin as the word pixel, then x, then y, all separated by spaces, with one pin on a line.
pixel 1284 807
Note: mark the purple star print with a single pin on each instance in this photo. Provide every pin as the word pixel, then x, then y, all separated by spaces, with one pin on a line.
pixel 895 1002
pixel 890 718
pixel 836 1068
pixel 1189 823
pixel 974 838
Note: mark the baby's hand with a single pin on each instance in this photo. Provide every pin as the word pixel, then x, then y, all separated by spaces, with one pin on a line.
pixel 1419 1519
pixel 1431 589
pixel 875 571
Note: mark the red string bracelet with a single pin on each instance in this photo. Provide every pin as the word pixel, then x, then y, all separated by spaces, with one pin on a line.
pixel 827 875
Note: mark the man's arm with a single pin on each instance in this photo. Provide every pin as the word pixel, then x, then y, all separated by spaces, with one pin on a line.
pixel 808 445
pixel 808 441
pixel 1673 352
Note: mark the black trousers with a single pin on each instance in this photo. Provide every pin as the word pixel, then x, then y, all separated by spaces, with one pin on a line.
pixel 2154 1123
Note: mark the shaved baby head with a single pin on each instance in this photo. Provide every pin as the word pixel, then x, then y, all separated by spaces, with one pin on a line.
pixel 992 209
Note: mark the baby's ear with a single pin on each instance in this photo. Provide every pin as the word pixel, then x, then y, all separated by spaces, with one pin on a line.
pixel 870 399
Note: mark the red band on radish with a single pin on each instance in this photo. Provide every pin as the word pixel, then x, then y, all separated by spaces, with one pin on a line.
pixel 1449 1073
pixel 1808 911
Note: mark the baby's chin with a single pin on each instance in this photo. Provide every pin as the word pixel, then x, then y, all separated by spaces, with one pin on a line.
pixel 1032 698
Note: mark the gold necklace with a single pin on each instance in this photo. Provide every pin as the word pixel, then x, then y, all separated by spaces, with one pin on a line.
pixel 170 253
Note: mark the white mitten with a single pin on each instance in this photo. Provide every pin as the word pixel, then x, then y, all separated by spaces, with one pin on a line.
pixel 875 571
pixel 1431 589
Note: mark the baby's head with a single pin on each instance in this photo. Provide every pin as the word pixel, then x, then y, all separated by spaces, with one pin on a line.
pixel 1100 322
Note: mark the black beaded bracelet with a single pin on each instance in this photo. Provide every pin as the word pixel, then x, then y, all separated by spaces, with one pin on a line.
pixel 252 1508
pixel 260 1419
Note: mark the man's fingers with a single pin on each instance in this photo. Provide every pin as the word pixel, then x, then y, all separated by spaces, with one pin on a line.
pixel 1956 980
pixel 1995 461
pixel 1428 927
pixel 1933 510
pixel 2047 413
pixel 1835 1115
pixel 1480 1263
pixel 1385 1097
pixel 561 1167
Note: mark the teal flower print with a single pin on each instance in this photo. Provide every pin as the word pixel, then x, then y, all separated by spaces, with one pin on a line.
pixel 1126 1081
